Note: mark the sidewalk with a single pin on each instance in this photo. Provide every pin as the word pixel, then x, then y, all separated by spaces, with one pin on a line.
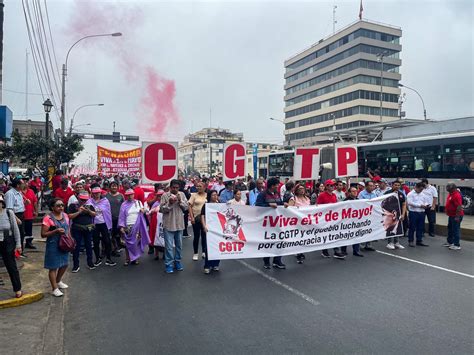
pixel 467 226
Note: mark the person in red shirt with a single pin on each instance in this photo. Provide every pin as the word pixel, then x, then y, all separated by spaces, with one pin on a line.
pixel 324 198
pixel 139 192
pixel 31 211
pixel 56 181
pixel 455 213
pixel 64 192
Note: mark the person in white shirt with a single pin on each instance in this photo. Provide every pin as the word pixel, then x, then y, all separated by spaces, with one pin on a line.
pixel 218 185
pixel 341 195
pixel 432 193
pixel 417 203
pixel 283 188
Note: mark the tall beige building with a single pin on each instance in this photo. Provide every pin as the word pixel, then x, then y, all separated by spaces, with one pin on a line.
pixel 337 83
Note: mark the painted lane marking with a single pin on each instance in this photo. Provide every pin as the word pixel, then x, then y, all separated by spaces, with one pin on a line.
pixel 426 264
pixel 281 284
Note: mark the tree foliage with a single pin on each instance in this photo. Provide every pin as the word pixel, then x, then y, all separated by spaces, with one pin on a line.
pixel 31 150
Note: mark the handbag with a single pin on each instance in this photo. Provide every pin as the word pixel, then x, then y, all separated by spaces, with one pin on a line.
pixel 67 244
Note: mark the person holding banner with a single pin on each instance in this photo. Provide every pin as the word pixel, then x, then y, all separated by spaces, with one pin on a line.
pixel 417 203
pixel 324 198
pixel 237 200
pixel 367 194
pixel 352 195
pixel 393 243
pixel 173 205
pixel 299 199
pixel 271 198
pixel 196 202
pixel 131 214
pixel 212 197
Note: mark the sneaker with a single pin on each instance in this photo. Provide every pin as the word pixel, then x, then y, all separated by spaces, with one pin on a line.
pixel 62 285
pixel 23 255
pixel 279 265
pixel 30 246
pixel 339 256
pixel 454 247
pixel 203 255
pixel 91 267
pixel 390 246
pixel 195 257
pixel 421 244
pixel 325 254
pixel 75 269
pixel 57 293
pixel 215 268
pixel 399 246
pixel 207 271
pixel 98 262
pixel 267 266
pixel 447 245
pixel 358 254
pixel 169 269
pixel 110 263
pixel 303 257
pixel 178 266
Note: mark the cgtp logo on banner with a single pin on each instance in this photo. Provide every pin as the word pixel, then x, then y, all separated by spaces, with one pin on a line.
pixel 159 162
pixel 234 161
pixel 346 161
pixel 306 165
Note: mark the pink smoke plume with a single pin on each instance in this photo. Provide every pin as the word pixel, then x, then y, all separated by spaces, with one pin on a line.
pixel 156 109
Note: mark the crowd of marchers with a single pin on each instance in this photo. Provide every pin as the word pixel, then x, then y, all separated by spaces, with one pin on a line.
pixel 116 218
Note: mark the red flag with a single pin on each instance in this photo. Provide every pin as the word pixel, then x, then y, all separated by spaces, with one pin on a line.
pixel 361 9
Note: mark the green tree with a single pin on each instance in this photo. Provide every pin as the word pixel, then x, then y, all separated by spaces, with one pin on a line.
pixel 69 148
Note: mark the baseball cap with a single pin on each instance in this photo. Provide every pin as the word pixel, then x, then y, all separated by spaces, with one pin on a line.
pixel 376 178
pixel 83 195
pixel 129 192
pixel 160 192
pixel 329 182
pixel 361 183
pixel 96 190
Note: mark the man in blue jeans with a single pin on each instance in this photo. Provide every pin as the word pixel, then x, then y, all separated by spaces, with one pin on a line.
pixel 173 205
pixel 417 203
pixel 454 211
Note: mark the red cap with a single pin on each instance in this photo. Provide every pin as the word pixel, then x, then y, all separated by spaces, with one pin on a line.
pixel 376 178
pixel 129 192
pixel 96 190
pixel 329 182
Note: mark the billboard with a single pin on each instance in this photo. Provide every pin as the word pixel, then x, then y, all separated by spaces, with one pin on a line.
pixel 115 162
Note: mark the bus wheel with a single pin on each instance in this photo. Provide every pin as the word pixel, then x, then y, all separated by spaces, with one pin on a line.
pixel 468 201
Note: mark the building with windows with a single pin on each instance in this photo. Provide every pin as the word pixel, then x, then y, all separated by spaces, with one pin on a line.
pixel 338 83
pixel 202 151
pixel 27 127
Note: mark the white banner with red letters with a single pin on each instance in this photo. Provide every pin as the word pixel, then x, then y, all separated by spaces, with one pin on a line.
pixel 306 163
pixel 234 161
pixel 346 161
pixel 159 162
pixel 237 232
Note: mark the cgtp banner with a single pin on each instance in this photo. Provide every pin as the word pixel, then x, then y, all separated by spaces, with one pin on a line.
pixel 160 162
pixel 346 161
pixel 234 161
pixel 306 163
pixel 237 232
pixel 116 162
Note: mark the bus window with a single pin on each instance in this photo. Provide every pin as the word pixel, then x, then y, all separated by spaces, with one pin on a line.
pixel 377 160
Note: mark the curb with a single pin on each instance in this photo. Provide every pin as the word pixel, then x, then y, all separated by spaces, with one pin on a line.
pixel 25 299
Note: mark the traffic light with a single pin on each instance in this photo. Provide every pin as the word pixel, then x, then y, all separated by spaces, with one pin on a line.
pixel 116 137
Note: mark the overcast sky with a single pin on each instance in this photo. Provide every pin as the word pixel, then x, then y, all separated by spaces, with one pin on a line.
pixel 229 56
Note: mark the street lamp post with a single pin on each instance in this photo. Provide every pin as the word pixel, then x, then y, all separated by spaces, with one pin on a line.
pixel 380 57
pixel 75 112
pixel 422 102
pixel 64 74
pixel 47 109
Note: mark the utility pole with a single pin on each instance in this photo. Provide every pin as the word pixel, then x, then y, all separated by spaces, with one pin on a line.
pixel 334 21
pixel 26 85
pixel 1 50
pixel 380 57
pixel 63 100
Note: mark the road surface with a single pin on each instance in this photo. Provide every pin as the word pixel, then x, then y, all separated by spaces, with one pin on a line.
pixel 379 304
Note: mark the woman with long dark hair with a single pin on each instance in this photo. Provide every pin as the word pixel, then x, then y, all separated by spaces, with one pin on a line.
pixel 54 225
pixel 212 197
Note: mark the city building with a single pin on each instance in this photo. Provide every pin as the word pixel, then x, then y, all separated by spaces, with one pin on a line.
pixel 202 151
pixel 195 155
pixel 27 127
pixel 337 83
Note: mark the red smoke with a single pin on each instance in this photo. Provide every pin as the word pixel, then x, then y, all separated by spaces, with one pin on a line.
pixel 156 108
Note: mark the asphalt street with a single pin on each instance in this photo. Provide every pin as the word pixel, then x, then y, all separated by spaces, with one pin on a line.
pixel 378 304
